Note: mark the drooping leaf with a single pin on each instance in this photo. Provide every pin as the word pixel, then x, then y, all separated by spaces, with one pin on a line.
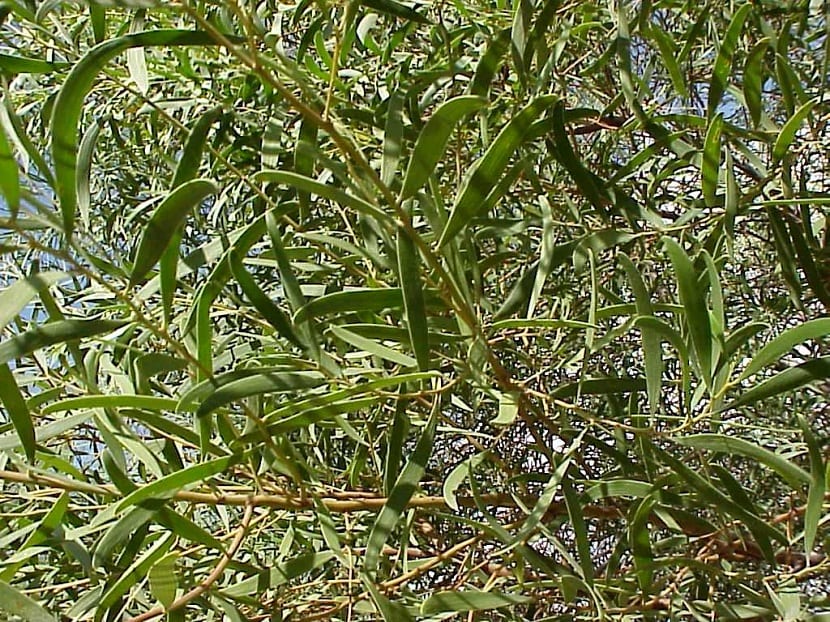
pixel 54 333
pixel 787 133
pixel 470 600
pixel 16 603
pixel 404 488
pixel 433 139
pixel 694 305
pixel 15 405
pixel 488 170
pixel 723 62
pixel 165 222
pixel 786 341
pixel 70 101
pixel 792 378
pixel 409 276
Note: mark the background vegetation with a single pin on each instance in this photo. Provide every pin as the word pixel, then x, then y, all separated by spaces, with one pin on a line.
pixel 360 310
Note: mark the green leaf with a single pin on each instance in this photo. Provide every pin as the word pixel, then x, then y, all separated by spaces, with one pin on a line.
pixel 70 100
pixel 169 485
pixel 351 301
pixel 136 572
pixel 163 580
pixel 409 276
pixel 86 151
pixel 652 343
pixel 456 477
pixel 489 63
pixel 792 378
pixel 396 9
pixel 341 197
pixel 599 386
pixel 694 305
pixel 46 432
pixel 54 333
pixel 469 600
pixel 794 475
pixel 9 175
pixel 787 133
pixel 668 54
pixel 589 185
pixel 15 405
pixel 12 64
pixel 165 222
pixel 389 611
pixel 723 62
pixel 508 408
pixel 710 169
pixel 580 529
pixel 786 341
pixel 818 485
pixel 373 347
pixel 15 297
pixel 405 487
pixel 487 171
pixel 267 308
pixel 146 402
pixel 279 574
pixel 16 603
pixel 754 80
pixel 188 166
pixel 392 138
pixel 640 542
pixel 433 139
pixel 259 384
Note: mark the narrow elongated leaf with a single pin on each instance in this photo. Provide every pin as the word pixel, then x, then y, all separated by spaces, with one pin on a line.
pixel 433 139
pixel 639 539
pixel 9 174
pixel 392 139
pixel 86 152
pixel 396 9
pixel 163 580
pixel 710 170
pixel 15 405
pixel 409 276
pixel 169 485
pixel 306 184
pixel 405 487
pixel 146 402
pixel 267 308
pixel 373 347
pixel 259 384
pixel 652 344
pixel 786 341
pixel 470 600
pixel 280 574
pixel 490 168
pixel 818 486
pixel 13 64
pixel 16 603
pixel 188 166
pixel 754 80
pixel 723 62
pixel 390 611
pixel 456 477
pixel 54 333
pixel 46 432
pixel 165 222
pixel 792 378
pixel 794 475
pixel 350 301
pixel 15 297
pixel 720 501
pixel 787 133
pixel 136 63
pixel 489 63
pixel 70 101
pixel 134 573
pixel 694 305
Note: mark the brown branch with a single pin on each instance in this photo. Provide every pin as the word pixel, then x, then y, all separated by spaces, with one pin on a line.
pixel 340 505
pixel 214 576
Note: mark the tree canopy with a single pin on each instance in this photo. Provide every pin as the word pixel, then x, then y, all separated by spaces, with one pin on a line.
pixel 388 310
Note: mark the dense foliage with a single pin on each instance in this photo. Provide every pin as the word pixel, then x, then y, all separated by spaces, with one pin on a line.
pixel 375 309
